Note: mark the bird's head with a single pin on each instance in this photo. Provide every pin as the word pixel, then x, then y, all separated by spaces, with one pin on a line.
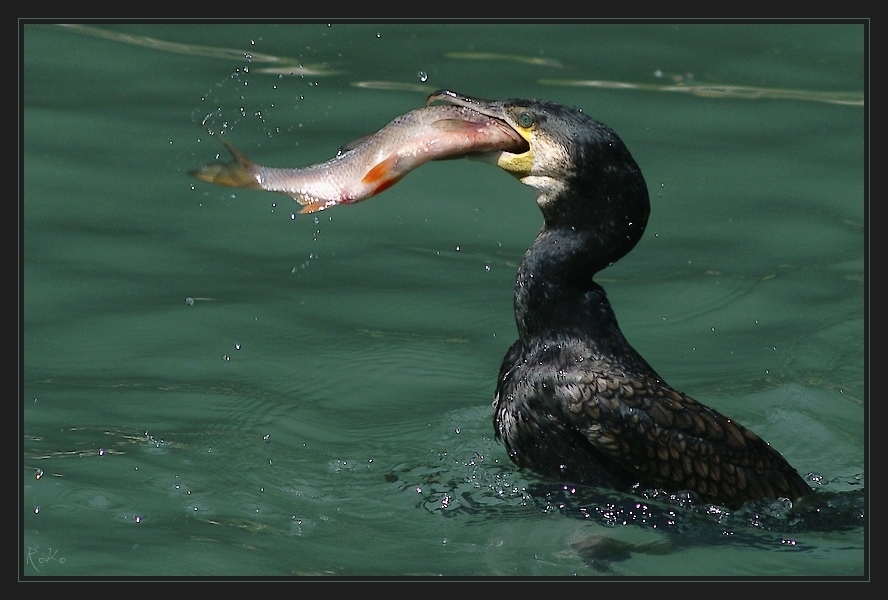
pixel 581 170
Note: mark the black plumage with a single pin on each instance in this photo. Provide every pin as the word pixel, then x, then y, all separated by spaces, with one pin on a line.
pixel 574 400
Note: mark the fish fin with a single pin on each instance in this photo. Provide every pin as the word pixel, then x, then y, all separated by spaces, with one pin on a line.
pixel 314 206
pixel 380 177
pixel 239 172
pixel 383 175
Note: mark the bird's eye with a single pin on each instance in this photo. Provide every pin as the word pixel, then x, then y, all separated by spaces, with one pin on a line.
pixel 525 119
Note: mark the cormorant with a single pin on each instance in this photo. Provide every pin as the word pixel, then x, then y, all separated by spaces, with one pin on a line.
pixel 574 400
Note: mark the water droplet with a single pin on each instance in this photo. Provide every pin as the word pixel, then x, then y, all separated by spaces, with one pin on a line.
pixel 38 474
pixel 189 301
pixel 423 76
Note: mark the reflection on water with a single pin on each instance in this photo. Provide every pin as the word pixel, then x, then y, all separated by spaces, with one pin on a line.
pixel 286 65
pixel 291 66
pixel 619 526
pixel 720 91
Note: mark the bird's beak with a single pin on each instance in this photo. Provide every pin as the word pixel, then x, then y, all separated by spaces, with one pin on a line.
pixel 518 164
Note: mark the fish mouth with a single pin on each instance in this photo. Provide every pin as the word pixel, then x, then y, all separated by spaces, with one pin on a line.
pixel 518 162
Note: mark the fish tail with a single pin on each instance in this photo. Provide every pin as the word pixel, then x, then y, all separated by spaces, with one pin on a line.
pixel 239 172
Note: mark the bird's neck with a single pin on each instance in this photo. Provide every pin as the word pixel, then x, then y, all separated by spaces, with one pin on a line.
pixel 555 295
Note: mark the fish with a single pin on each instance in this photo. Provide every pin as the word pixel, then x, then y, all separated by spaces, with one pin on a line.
pixel 375 162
